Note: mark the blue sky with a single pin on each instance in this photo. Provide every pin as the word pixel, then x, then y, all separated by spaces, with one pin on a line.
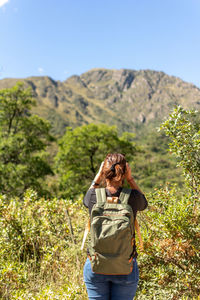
pixel 66 37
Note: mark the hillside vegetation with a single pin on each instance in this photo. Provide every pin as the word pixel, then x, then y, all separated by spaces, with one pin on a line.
pixel 126 98
pixel 43 260
pixel 43 180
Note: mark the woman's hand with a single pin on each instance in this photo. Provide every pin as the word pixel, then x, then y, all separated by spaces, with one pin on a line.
pixel 128 175
pixel 98 177
pixel 130 179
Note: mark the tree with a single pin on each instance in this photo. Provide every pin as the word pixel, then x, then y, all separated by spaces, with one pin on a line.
pixel 81 152
pixel 23 139
pixel 183 128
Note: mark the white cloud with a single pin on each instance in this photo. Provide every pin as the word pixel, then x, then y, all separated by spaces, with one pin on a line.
pixel 41 70
pixel 3 2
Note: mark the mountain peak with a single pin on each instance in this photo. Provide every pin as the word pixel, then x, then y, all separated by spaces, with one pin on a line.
pixel 123 97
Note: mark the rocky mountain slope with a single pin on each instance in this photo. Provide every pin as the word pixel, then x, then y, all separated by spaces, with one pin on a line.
pixel 125 98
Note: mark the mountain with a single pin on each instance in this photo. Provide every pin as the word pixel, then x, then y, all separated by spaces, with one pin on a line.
pixel 128 99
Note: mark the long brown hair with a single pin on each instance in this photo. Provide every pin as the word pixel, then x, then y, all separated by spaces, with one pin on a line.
pixel 114 167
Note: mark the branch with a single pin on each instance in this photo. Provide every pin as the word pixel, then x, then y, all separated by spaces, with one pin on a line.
pixel 70 227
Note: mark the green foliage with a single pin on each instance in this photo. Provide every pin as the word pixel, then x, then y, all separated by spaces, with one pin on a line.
pixel 23 140
pixel 153 166
pixel 170 264
pixel 38 252
pixel 40 257
pixel 124 98
pixel 81 152
pixel 183 128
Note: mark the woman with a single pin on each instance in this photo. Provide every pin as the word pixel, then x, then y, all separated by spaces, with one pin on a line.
pixel 114 170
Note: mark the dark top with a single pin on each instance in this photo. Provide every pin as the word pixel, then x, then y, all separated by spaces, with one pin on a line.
pixel 136 200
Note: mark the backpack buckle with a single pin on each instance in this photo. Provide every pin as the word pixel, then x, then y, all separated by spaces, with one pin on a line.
pixel 112 200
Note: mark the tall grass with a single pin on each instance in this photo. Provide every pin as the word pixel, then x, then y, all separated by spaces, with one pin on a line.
pixel 40 256
pixel 39 253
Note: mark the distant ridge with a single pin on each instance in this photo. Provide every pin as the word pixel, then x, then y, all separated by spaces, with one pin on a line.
pixel 125 98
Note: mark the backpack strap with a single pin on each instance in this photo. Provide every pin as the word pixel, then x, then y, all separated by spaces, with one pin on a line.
pixel 87 230
pixel 101 195
pixel 124 195
pixel 137 228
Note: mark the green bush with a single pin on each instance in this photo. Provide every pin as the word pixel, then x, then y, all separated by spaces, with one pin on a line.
pixel 183 128
pixel 38 250
pixel 23 141
pixel 81 151
pixel 40 256
pixel 170 263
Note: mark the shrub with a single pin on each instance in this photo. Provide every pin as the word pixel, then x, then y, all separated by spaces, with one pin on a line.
pixel 39 254
pixel 183 128
pixel 170 264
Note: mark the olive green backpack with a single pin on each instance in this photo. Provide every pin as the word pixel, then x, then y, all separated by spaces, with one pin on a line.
pixel 112 236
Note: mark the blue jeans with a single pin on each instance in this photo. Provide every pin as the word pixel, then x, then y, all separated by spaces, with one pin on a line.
pixel 110 287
